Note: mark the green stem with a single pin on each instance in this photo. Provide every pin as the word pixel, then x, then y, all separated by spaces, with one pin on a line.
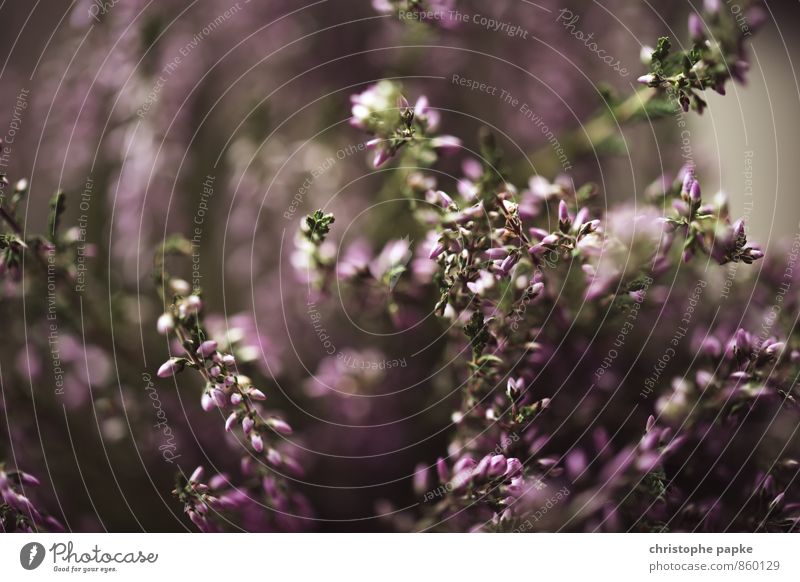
pixel 594 133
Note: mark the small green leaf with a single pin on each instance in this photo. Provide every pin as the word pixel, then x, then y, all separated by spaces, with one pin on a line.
pixel 316 226
pixel 57 206
pixel 660 53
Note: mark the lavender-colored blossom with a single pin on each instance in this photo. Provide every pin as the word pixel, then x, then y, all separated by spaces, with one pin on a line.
pixel 171 367
pixel 696 30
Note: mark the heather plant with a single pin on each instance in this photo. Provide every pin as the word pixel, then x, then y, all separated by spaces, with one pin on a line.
pixel 265 497
pixel 17 512
pixel 518 268
pixel 568 363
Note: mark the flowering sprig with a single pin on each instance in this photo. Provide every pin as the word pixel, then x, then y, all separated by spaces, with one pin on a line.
pixel 316 226
pixel 219 505
pixel 375 280
pixel 313 257
pixel 14 242
pixel 737 380
pixel 775 497
pixel 17 511
pixel 716 56
pixel 197 499
pixel 383 112
pixel 225 387
pixel 737 374
pixel 499 253
pixel 672 85
pixel 494 482
pixel 707 227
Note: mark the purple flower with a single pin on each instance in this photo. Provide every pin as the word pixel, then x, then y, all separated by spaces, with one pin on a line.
pixel 513 467
pixel 448 143
pixel 165 323
pixel 197 474
pixel 274 458
pixel 756 17
pixel 695 193
pixel 441 470
pixel 480 471
pixel 564 219
pixel 496 253
pixel 516 487
pixel 171 367
pixel 207 348
pixel 507 264
pixel 381 157
pixel 247 424
pixel 280 426
pixel 402 104
pixel 231 420
pixel 497 466
pixel 445 200
pixel 738 230
pixel 256 394
pixel 207 401
pixel 696 30
pixel 255 440
pixel 742 344
pixel 219 397
pixel 436 252
pixel 420 479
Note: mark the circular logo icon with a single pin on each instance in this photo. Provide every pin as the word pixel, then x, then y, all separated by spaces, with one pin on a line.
pixel 31 555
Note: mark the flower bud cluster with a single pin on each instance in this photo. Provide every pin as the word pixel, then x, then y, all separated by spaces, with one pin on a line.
pixel 17 512
pixel 383 112
pixel 226 389
pixel 717 55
